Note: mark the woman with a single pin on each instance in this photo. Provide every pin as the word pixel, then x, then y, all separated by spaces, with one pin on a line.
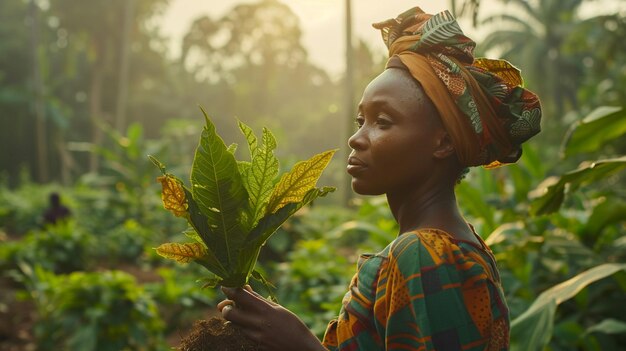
pixel 431 114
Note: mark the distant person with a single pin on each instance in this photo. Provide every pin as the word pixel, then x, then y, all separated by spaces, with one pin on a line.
pixel 56 212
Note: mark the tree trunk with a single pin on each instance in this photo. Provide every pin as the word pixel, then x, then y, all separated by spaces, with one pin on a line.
pixel 67 161
pixel 349 103
pixel 95 113
pixel 39 104
pixel 122 91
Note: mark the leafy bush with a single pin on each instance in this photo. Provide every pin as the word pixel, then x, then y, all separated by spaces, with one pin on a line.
pixel 60 248
pixel 124 243
pixel 313 282
pixel 98 311
pixel 314 274
pixel 180 298
pixel 22 209
pixel 560 255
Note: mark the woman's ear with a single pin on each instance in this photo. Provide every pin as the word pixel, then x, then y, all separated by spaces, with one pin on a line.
pixel 444 147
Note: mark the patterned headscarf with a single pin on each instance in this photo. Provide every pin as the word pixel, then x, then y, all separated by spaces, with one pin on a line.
pixel 481 102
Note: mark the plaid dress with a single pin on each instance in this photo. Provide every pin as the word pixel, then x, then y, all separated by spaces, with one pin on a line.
pixel 425 291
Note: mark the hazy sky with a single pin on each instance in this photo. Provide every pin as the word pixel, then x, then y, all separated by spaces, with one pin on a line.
pixel 322 21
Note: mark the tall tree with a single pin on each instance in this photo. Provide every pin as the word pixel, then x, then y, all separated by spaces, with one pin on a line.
pixel 20 59
pixel 532 37
pixel 38 89
pixel 97 27
pixel 254 58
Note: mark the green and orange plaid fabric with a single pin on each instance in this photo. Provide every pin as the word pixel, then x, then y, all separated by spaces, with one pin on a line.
pixel 425 291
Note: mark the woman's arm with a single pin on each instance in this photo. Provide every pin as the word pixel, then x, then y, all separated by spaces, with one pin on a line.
pixel 269 324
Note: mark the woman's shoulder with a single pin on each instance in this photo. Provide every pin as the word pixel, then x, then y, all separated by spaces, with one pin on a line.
pixel 433 242
pixel 436 249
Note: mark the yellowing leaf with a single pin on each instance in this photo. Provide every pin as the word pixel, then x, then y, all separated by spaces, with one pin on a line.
pixel 182 253
pixel 295 184
pixel 173 196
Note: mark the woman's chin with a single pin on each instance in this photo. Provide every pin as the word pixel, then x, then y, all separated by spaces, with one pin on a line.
pixel 359 187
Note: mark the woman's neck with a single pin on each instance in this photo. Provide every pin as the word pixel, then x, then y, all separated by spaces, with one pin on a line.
pixel 429 207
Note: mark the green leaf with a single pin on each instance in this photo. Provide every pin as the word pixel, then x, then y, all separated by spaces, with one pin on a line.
pixel 243 166
pixel 532 330
pixel 192 234
pixel 269 141
pixel 268 286
pixel 210 282
pixel 532 161
pixel 215 254
pixel 610 210
pixel 271 222
pixel 259 178
pixel 295 184
pixel 250 137
pixel 197 220
pixel 218 189
pixel 602 125
pixel 85 337
pixel 550 195
pixel 232 148
pixel 157 163
pixel 267 226
pixel 474 203
pixel 608 326
pixel 534 333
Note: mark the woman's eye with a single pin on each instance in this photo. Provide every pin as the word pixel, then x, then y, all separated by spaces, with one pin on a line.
pixel 383 122
pixel 359 122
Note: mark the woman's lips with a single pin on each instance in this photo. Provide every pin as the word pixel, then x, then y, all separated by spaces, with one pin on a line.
pixel 355 165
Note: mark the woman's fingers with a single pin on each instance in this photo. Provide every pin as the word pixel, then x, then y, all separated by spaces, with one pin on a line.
pixel 230 313
pixel 245 299
pixel 268 324
pixel 243 307
pixel 224 303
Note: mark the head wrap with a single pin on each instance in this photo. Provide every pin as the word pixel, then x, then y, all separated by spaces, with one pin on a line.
pixel 481 102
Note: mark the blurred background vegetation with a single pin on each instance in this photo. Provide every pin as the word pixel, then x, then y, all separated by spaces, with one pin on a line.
pixel 89 88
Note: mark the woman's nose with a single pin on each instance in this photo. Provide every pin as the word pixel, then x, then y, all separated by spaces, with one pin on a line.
pixel 357 140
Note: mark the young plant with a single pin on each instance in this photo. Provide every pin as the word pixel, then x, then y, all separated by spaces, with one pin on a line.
pixel 233 206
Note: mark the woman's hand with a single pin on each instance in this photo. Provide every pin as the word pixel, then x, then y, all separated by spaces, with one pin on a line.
pixel 270 325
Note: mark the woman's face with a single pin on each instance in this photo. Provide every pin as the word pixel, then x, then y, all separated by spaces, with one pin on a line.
pixel 392 151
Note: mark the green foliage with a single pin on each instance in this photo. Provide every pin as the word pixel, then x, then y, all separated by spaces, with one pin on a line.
pixel 179 298
pixel 124 243
pixel 98 311
pixel 314 280
pixel 234 207
pixel 22 209
pixel 548 260
pixel 61 248
pixel 532 330
pixel 80 49
pixel 602 125
pixel 115 210
pixel 320 249
pixel 559 50
pixel 554 194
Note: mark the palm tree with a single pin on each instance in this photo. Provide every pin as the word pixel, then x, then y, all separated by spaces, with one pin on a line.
pixel 533 37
